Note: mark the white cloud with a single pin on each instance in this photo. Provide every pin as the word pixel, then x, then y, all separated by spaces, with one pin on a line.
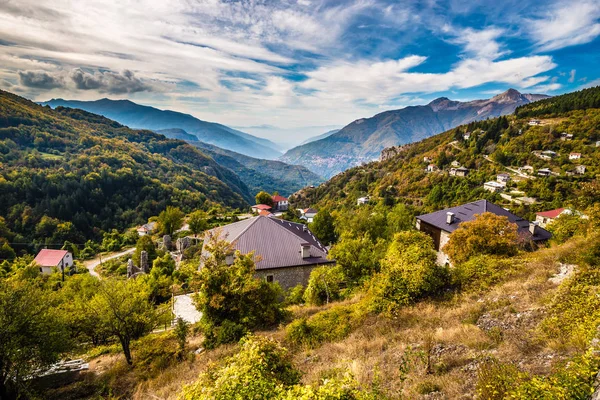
pixel 572 76
pixel 567 24
pixel 479 43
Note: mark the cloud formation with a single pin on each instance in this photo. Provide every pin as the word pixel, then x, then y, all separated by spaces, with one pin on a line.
pixel 290 63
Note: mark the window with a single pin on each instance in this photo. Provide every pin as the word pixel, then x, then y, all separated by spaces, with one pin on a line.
pixel 269 278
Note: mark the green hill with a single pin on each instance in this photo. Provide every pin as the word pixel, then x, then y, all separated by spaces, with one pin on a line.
pixel 499 145
pixel 81 173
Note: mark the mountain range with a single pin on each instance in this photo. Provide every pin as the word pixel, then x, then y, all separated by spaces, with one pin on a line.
pixel 363 140
pixel 257 174
pixel 138 116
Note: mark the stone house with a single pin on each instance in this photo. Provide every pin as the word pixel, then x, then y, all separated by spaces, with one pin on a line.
pixel 146 229
pixel 48 259
pixel 285 252
pixel 440 224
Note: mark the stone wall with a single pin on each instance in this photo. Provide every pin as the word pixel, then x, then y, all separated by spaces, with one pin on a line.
pixel 288 277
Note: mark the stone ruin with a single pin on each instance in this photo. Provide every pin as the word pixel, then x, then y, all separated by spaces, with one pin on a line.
pixel 183 243
pixel 133 271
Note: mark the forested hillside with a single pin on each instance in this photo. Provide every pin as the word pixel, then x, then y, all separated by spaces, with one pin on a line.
pixel 68 175
pixel 500 145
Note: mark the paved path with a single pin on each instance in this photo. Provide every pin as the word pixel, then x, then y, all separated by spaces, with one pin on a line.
pixel 184 308
pixel 93 263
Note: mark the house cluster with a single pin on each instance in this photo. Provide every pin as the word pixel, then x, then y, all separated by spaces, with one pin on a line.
pixel 280 204
pixel 455 170
pixel 440 224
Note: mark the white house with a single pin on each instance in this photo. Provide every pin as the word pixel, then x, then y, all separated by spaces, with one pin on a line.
pixel 362 200
pixel 546 217
pixel 547 155
pixel 574 156
pixel 307 214
pixel 280 203
pixel 146 229
pixel 48 259
pixel 544 172
pixel 580 169
pixel 493 186
pixel 503 178
pixel 566 136
pixel 455 164
pixel 432 168
pixel 534 122
pixel 527 169
pixel 467 136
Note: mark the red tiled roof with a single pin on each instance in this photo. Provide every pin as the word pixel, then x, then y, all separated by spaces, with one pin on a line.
pixel 50 258
pixel 264 213
pixel 551 214
pixel 262 207
pixel 279 198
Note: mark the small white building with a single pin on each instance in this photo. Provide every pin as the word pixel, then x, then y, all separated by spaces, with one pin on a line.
pixel 534 122
pixel 48 259
pixel 432 168
pixel 502 178
pixel 362 200
pixel 580 169
pixel 544 172
pixel 493 186
pixel 455 164
pixel 547 154
pixel 527 169
pixel 566 136
pixel 574 156
pixel 146 229
pixel 467 136
pixel 280 203
pixel 307 214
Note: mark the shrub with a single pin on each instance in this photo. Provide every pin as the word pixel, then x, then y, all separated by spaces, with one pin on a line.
pixel 261 370
pixel 324 285
pixel 358 257
pixel 480 272
pixel 495 380
pixel 409 271
pixel 295 295
pixel 326 326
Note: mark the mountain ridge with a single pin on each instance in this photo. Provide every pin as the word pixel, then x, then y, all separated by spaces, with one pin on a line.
pixel 140 116
pixel 363 140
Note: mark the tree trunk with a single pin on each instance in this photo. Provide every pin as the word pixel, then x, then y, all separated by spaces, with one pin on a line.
pixel 126 350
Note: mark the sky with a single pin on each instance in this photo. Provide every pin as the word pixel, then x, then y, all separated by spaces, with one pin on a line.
pixel 277 67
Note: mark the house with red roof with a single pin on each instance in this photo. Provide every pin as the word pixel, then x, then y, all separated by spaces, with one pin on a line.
pixel 307 214
pixel 280 203
pixel 546 217
pixel 48 259
pixel 260 207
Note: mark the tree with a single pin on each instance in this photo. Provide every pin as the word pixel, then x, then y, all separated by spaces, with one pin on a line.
pixel 198 222
pixel 358 257
pixel 264 198
pixel 125 311
pixel 324 285
pixel 170 220
pixel 409 271
pixel 323 227
pixel 231 299
pixel 488 233
pixel 181 331
pixel 32 334
pixel 144 243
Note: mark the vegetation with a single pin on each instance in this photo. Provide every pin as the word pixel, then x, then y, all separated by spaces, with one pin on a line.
pixel 170 220
pixel 264 198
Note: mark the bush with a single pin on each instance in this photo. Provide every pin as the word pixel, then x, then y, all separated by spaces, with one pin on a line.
pixel 358 257
pixel 480 272
pixel 326 326
pixel 324 285
pixel 409 271
pixel 295 295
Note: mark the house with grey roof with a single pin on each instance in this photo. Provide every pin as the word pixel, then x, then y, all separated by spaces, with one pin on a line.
pixel 440 224
pixel 284 252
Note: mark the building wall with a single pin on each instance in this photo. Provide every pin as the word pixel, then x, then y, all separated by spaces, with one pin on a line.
pixel 288 277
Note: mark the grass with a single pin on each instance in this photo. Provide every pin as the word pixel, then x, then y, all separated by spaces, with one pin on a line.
pixel 433 348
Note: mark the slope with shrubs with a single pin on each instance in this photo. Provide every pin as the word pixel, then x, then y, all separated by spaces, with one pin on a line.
pixel 68 175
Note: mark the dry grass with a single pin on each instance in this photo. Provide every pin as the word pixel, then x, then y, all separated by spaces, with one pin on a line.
pixel 430 350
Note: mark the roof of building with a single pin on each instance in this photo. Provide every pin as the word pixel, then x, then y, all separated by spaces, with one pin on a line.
pixel 264 213
pixel 262 207
pixel 575 154
pixel 494 184
pixel 504 174
pixel 309 211
pixel 551 213
pixel 277 198
pixel 50 258
pixel 467 212
pixel 277 242
pixel 149 227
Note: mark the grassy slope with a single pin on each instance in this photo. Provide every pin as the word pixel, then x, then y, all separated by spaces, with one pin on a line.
pixel 459 332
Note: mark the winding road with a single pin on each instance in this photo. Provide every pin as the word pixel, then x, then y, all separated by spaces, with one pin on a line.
pixel 94 262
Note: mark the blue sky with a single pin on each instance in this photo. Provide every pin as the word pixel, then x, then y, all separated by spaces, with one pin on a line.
pixel 295 63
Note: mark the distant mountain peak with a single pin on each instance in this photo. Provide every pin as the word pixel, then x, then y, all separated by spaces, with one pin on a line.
pixel 510 96
pixel 443 103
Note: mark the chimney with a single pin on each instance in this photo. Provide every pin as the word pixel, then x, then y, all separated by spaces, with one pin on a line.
pixel 304 228
pixel 305 250
pixel 533 228
pixel 449 218
pixel 229 259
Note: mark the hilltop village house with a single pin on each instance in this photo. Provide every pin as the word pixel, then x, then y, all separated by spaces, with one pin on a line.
pixel 440 224
pixel 546 217
pixel 307 214
pixel 146 229
pixel 280 204
pixel 48 259
pixel 285 252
